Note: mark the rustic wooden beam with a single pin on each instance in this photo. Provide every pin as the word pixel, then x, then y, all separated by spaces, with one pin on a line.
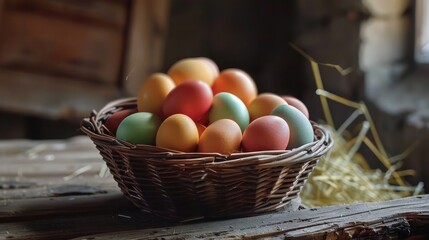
pixel 18 95
pixel 393 219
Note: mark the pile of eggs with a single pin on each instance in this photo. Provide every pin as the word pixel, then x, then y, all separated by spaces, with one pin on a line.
pixel 196 107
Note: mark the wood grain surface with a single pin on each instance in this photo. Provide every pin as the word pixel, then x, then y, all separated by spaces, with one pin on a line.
pixel 47 191
pixel 56 38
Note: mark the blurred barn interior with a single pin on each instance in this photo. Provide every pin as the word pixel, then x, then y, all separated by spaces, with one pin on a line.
pixel 61 59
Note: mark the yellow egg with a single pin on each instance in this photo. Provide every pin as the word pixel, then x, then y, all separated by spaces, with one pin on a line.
pixel 223 136
pixel 264 104
pixel 153 92
pixel 191 69
pixel 178 132
pixel 213 66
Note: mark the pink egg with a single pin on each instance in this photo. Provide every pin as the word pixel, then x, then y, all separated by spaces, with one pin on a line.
pixel 295 102
pixel 266 133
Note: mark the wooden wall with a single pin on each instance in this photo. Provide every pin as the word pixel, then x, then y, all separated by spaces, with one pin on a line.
pixel 61 59
pixel 77 54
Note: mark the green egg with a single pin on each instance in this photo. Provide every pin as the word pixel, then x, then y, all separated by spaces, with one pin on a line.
pixel 301 130
pixel 228 106
pixel 139 128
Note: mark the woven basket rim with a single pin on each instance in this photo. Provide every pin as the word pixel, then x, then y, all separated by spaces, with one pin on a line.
pixel 93 127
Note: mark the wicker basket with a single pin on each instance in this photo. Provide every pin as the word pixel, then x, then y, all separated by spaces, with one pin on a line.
pixel 182 186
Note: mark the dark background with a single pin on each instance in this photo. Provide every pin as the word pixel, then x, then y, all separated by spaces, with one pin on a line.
pixel 61 59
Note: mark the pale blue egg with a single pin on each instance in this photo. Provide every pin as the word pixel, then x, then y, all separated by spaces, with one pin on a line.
pixel 301 130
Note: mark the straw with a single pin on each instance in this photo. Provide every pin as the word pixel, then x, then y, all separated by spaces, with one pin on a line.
pixel 344 176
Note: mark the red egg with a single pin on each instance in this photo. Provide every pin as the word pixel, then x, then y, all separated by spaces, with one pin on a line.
pixel 113 121
pixel 266 133
pixel 192 98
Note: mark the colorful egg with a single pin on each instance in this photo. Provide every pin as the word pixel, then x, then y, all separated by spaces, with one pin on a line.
pixel 223 136
pixel 213 66
pixel 266 133
pixel 139 128
pixel 301 130
pixel 192 98
pixel 191 69
pixel 295 102
pixel 153 92
pixel 228 106
pixel 264 104
pixel 113 121
pixel 237 82
pixel 178 132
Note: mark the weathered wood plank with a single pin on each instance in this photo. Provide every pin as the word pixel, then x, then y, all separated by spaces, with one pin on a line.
pixel 397 219
pixel 100 201
pixel 51 157
pixel 145 41
pixel 67 227
pixel 111 12
pixel 79 148
pixel 330 222
pixel 72 43
pixel 12 189
pixel 55 97
pixel 63 48
pixel 63 160
pixel 56 222
pixel 66 210
pixel 90 207
pixel 18 146
pixel 60 170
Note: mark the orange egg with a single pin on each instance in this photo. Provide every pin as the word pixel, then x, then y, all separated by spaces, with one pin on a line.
pixel 237 82
pixel 295 102
pixel 266 133
pixel 178 132
pixel 264 104
pixel 153 92
pixel 223 136
pixel 190 69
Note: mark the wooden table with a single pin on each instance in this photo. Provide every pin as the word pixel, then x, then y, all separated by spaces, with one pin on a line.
pixel 61 190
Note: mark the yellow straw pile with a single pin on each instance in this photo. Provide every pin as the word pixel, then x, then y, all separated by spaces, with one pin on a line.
pixel 344 176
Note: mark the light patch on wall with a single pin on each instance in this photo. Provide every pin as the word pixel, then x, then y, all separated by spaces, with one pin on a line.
pixel 422 32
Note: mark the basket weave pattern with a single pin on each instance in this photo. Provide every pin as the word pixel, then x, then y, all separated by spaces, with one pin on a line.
pixel 179 185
